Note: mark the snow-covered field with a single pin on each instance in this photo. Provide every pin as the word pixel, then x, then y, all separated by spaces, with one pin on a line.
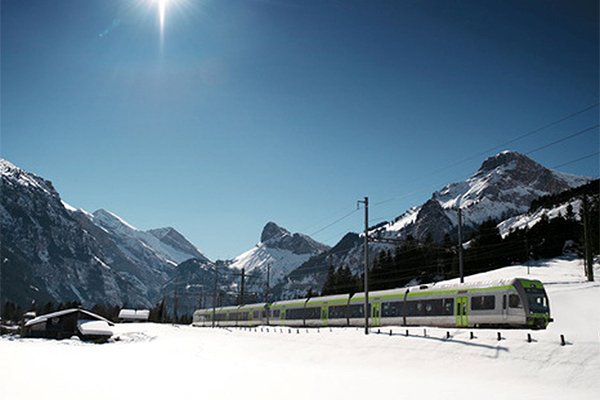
pixel 170 362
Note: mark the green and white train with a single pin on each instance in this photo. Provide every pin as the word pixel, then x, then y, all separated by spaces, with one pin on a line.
pixel 511 303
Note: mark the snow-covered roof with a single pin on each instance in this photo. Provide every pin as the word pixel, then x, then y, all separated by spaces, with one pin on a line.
pixel 94 328
pixel 134 314
pixel 44 318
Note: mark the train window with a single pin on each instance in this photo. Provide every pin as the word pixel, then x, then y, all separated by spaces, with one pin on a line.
pixel 483 302
pixel 255 314
pixel 312 313
pixel 275 313
pixel 357 311
pixel 537 302
pixel 337 312
pixel 447 306
pixel 391 309
pixel 295 313
pixel 514 301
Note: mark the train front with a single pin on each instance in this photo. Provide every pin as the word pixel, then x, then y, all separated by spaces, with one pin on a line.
pixel 537 307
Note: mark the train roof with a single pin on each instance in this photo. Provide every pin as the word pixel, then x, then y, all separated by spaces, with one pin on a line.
pixel 253 306
pixel 434 287
pixel 288 303
pixel 472 285
pixel 338 298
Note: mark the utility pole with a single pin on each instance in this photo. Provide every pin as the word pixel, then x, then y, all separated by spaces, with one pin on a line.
pixel 461 270
pixel 366 271
pixel 175 306
pixel 214 313
pixel 527 250
pixel 201 298
pixel 1 266
pixel 242 287
pixel 268 279
pixel 589 260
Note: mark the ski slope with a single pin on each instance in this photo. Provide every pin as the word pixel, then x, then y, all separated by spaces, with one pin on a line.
pixel 153 361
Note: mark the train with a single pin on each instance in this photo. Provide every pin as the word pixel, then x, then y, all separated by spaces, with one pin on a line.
pixel 506 303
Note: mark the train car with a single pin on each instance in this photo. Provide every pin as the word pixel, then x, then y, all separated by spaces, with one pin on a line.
pixel 202 318
pixel 253 315
pixel 518 303
pixel 288 312
pixel 226 316
pixel 332 310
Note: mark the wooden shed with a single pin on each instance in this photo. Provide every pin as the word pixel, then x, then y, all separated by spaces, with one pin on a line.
pixel 65 324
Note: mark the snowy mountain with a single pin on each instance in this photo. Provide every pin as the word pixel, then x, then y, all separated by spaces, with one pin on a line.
pixel 282 250
pixel 503 187
pixel 154 247
pixel 56 252
pixel 48 255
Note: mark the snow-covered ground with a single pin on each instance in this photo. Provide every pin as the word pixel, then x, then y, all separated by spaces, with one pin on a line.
pixel 170 362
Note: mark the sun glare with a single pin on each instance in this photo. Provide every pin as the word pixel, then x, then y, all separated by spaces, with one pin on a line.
pixel 162 9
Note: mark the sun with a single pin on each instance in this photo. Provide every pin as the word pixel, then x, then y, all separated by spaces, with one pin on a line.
pixel 162 10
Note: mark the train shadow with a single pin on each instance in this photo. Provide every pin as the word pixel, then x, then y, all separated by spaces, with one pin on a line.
pixel 451 339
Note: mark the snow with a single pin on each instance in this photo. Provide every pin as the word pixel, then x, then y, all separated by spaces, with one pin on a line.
pixel 16 174
pixel 45 317
pixel 87 327
pixel 130 314
pixel 257 258
pixel 529 220
pixel 409 217
pixel 133 237
pixel 185 362
pixel 68 206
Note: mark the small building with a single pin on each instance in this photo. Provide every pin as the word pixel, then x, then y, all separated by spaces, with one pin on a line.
pixel 65 324
pixel 130 315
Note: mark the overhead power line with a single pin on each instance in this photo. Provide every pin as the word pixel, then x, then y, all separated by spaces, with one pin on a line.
pixel 520 137
pixel 576 160
pixel 497 147
pixel 562 139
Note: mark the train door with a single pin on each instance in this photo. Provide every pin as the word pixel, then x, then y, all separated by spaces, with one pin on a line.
pixel 376 314
pixel 324 316
pixel 461 312
pixel 505 306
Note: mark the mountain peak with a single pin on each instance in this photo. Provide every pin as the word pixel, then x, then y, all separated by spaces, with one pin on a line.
pixel 12 173
pixel 509 159
pixel 111 219
pixel 271 231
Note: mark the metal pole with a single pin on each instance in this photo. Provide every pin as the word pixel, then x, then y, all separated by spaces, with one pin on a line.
pixel 268 279
pixel 589 260
pixel 215 298
pixel 366 270
pixel 267 310
pixel 527 250
pixel 1 265
pixel 175 306
pixel 461 271
pixel 242 288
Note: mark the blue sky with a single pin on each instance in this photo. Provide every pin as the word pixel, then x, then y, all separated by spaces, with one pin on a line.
pixel 243 112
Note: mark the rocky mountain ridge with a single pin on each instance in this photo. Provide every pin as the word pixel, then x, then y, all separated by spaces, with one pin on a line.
pixel 55 252
pixel 502 189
